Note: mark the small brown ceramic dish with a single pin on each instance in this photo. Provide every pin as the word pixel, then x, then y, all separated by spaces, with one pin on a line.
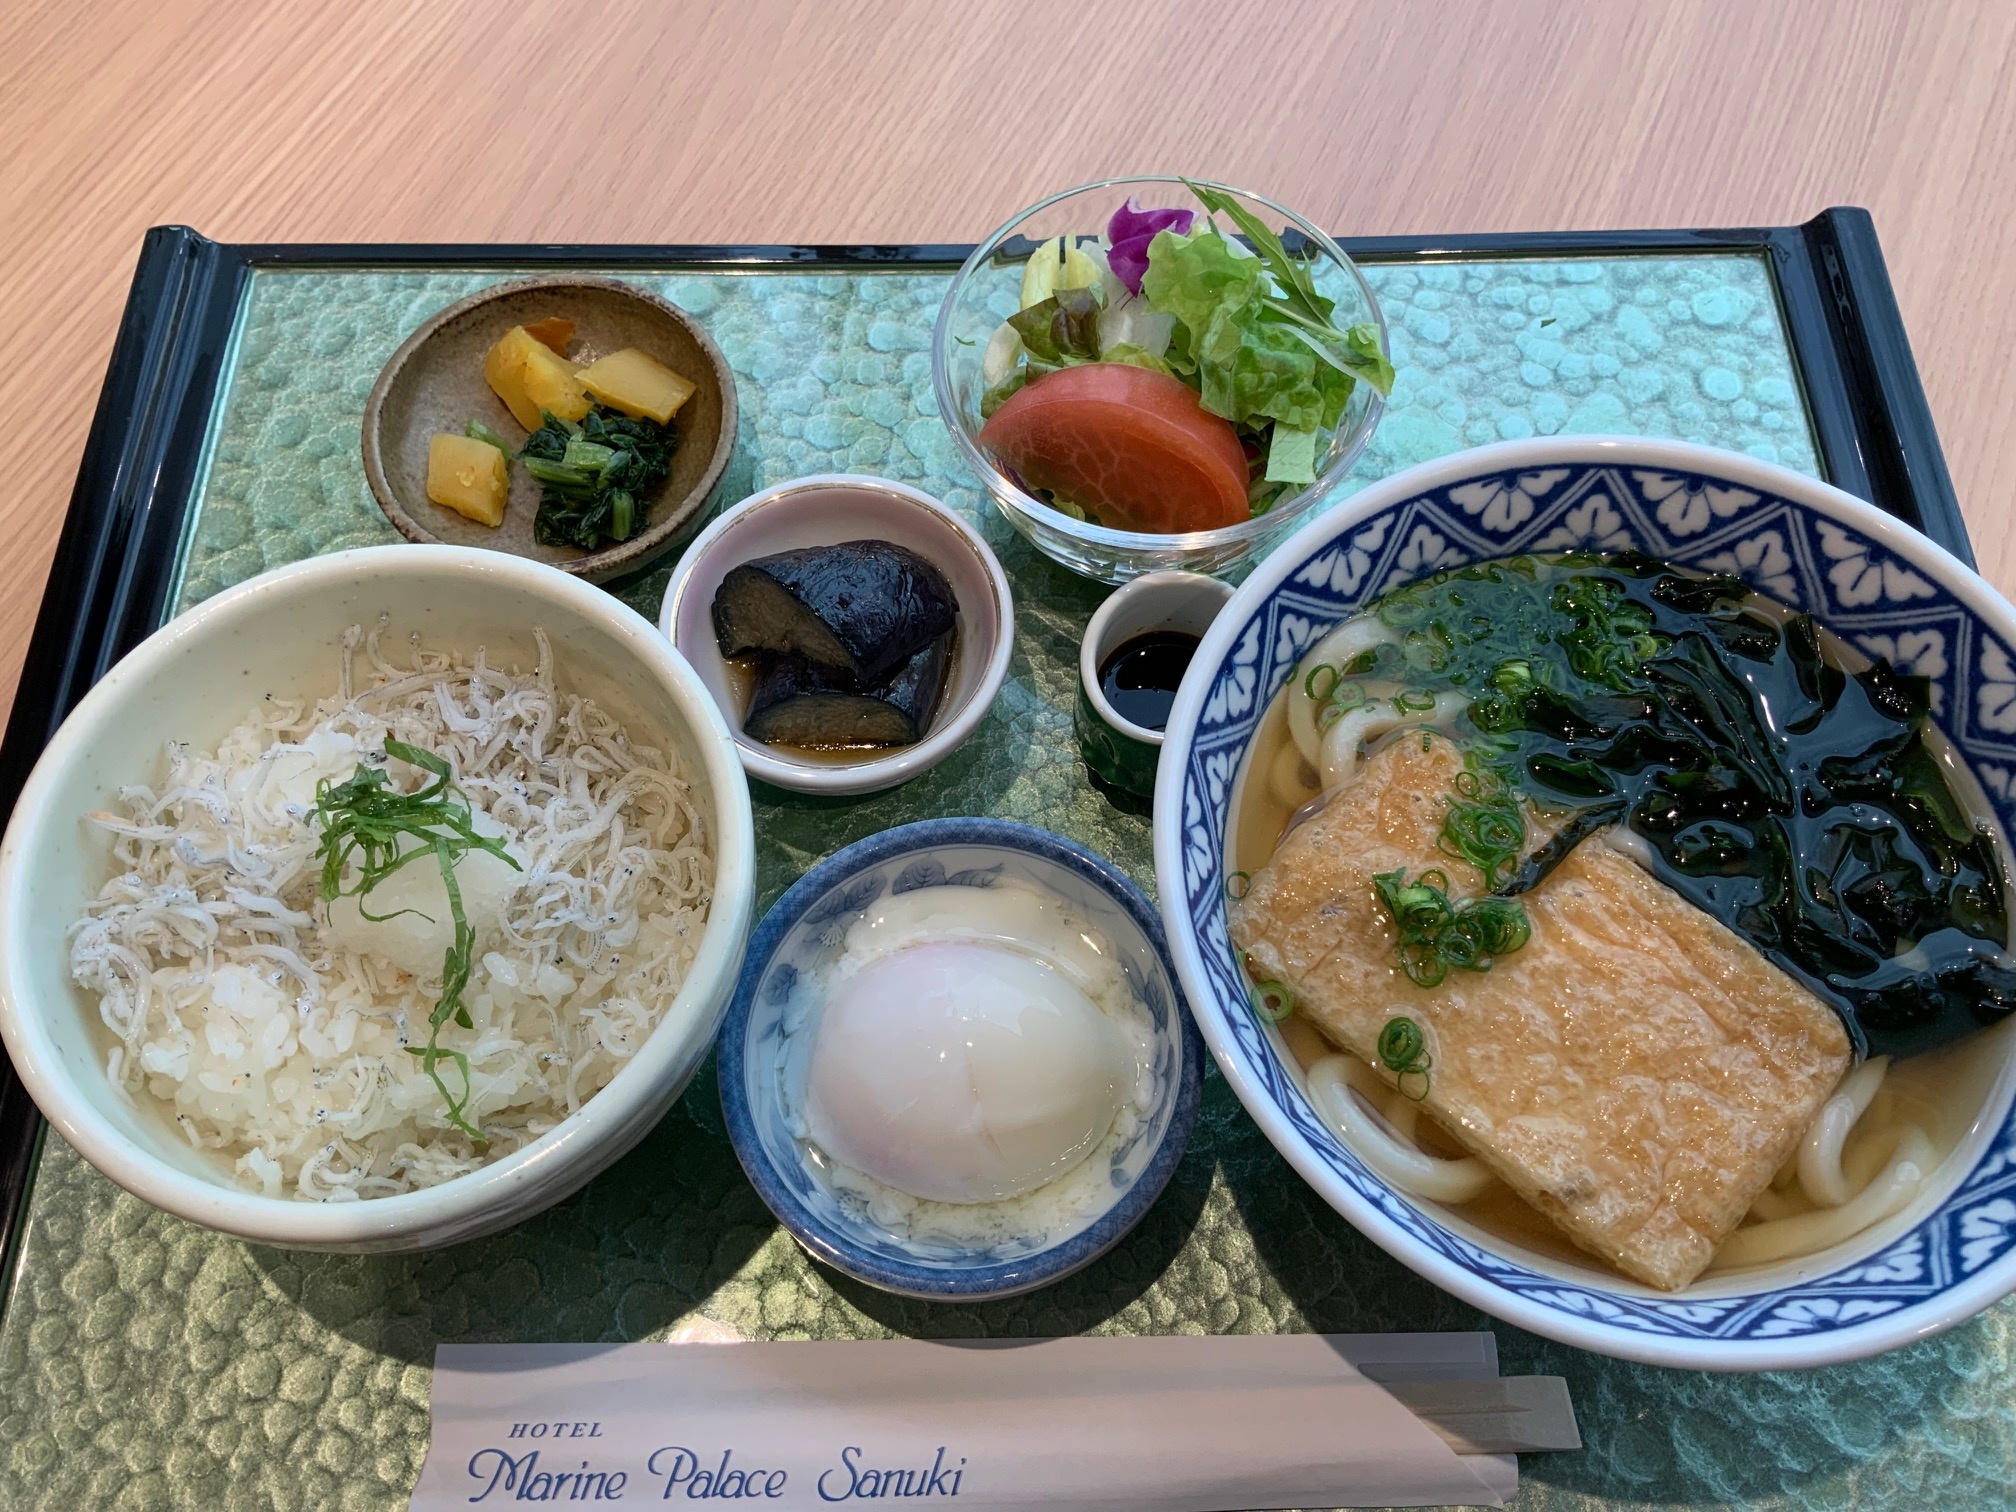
pixel 434 382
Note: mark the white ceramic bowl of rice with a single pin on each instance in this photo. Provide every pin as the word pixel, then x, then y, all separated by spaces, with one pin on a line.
pixel 190 1014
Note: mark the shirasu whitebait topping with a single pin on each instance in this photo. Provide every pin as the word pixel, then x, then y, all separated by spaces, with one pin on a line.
pixel 280 1036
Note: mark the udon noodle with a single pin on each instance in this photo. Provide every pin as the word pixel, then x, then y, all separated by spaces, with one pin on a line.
pixel 1868 1152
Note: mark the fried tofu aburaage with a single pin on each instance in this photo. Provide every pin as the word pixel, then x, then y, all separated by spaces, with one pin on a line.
pixel 1637 1072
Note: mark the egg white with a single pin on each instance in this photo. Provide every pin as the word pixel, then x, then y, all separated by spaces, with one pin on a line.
pixel 1010 1179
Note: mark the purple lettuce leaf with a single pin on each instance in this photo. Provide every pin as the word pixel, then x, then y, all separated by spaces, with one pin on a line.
pixel 1129 233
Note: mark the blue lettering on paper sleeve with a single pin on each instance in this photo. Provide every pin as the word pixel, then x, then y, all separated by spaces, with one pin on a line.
pixel 850 1480
pixel 555 1430
pixel 686 1475
pixel 521 1480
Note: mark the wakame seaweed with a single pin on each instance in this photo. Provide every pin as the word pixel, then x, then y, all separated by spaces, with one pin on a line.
pixel 1793 800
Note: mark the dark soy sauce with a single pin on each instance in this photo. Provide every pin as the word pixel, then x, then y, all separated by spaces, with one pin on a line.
pixel 1140 678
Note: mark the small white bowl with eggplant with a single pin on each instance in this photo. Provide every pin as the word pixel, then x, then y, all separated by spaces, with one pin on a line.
pixel 853 630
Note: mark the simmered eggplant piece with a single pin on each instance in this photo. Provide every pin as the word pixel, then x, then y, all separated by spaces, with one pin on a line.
pixel 800 703
pixel 863 608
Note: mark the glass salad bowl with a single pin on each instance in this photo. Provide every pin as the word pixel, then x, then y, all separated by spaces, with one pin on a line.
pixel 1259 313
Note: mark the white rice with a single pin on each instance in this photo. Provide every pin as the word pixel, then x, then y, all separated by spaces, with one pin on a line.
pixel 232 1000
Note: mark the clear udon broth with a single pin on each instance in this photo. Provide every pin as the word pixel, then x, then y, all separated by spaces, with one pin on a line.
pixel 1948 1092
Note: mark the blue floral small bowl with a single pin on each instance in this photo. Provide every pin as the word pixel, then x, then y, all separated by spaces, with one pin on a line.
pixel 1877 583
pixel 804 928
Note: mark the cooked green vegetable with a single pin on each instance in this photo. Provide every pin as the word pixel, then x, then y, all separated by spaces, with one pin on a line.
pixel 366 821
pixel 596 477
pixel 476 430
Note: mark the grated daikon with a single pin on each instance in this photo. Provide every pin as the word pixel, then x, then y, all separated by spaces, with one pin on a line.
pixel 277 1036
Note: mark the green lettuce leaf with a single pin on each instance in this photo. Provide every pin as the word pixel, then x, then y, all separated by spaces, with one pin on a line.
pixel 1262 496
pixel 1298 288
pixel 1061 330
pixel 1256 338
pixel 1135 356
pixel 1273 375
pixel 1213 291
pixel 1355 352
pixel 1003 391
pixel 1291 455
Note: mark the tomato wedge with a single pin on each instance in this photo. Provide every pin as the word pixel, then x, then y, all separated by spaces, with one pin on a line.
pixel 1130 447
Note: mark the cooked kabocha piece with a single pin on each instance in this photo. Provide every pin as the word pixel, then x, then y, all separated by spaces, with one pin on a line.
pixel 638 384
pixel 468 475
pixel 800 703
pixel 862 608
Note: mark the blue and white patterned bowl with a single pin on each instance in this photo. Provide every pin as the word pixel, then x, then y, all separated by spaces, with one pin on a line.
pixel 807 923
pixel 1876 582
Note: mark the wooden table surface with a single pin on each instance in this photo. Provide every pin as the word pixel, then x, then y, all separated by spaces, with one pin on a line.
pixel 837 120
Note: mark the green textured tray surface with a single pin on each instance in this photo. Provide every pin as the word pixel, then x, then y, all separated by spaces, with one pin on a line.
pixel 148 1363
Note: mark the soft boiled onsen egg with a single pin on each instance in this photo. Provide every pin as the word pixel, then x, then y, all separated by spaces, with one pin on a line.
pixel 961 1052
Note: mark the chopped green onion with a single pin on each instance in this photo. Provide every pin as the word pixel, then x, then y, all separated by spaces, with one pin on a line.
pixel 1401 1043
pixel 1243 881
pixel 1317 689
pixel 1273 1000
pixel 1428 650
pixel 1424 965
pixel 1485 825
pixel 1501 926
pixel 1344 697
pixel 1431 934
pixel 1403 1050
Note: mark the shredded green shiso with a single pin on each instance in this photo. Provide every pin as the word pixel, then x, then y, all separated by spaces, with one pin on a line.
pixel 366 821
